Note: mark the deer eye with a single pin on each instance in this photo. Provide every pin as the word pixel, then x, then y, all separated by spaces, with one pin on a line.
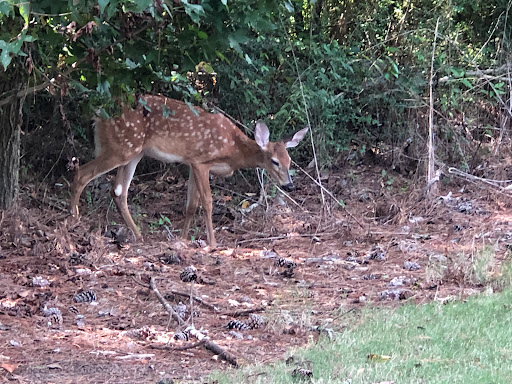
pixel 275 162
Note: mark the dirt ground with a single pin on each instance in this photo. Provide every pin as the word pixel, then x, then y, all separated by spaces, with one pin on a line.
pixel 74 301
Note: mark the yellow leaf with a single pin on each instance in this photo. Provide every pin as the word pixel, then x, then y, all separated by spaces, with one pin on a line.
pixel 245 204
pixel 378 358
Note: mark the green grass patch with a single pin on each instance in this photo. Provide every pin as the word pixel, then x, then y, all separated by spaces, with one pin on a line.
pixel 460 342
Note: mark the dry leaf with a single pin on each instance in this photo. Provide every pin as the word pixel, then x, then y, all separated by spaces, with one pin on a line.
pixel 9 367
pixel 378 358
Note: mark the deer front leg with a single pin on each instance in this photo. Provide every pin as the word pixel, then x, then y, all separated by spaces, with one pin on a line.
pixel 120 193
pixel 202 183
pixel 192 203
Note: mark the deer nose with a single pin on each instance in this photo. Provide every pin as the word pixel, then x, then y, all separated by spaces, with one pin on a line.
pixel 288 187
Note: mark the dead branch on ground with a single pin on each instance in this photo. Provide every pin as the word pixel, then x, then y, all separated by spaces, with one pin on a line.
pixel 208 344
pixel 197 299
pixel 167 306
pixel 244 312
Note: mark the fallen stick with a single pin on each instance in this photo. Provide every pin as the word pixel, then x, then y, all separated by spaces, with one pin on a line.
pixel 244 312
pixel 198 299
pixel 182 348
pixel 167 306
pixel 208 344
pixel 213 347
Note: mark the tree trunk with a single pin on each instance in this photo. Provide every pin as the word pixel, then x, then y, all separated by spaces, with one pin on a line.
pixel 10 126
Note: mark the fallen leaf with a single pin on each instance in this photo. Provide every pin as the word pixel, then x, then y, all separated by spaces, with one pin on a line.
pixel 9 367
pixel 54 366
pixel 245 204
pixel 378 358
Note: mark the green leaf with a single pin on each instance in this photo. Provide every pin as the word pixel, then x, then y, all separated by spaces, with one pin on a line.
pixel 194 11
pixel 27 38
pixel 467 83
pixel 144 103
pixel 5 7
pixel 103 4
pixel 5 58
pixel 104 88
pixel 166 111
pixel 142 5
pixel 78 86
pixel 25 10
pixel 220 55
pixel 224 2
pixel 234 44
pixel 194 110
pixel 130 64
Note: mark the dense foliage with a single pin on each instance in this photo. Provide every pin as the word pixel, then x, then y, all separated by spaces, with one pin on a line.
pixel 350 69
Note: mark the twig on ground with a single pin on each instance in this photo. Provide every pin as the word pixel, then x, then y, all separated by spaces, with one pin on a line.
pixel 244 312
pixel 223 354
pixel 213 347
pixel 167 306
pixel 181 348
pixel 199 300
pixel 136 356
pixel 285 237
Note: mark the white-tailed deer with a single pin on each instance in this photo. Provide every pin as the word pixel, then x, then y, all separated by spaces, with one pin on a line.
pixel 170 131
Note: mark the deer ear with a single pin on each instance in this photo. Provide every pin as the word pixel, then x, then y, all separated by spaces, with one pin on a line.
pixel 295 140
pixel 261 134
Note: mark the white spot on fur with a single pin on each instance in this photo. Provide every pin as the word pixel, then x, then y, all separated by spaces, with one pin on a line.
pixel 118 190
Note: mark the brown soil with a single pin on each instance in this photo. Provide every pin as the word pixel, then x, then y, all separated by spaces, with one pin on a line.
pixel 346 258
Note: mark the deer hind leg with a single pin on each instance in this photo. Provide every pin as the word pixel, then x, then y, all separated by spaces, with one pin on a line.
pixel 86 173
pixel 192 203
pixel 202 184
pixel 120 192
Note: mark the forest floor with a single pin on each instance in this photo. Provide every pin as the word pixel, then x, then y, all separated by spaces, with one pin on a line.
pixel 300 265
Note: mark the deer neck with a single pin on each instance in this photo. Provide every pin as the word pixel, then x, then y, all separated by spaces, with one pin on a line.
pixel 250 154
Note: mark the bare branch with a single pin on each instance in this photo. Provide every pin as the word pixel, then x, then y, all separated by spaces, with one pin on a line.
pixel 167 306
